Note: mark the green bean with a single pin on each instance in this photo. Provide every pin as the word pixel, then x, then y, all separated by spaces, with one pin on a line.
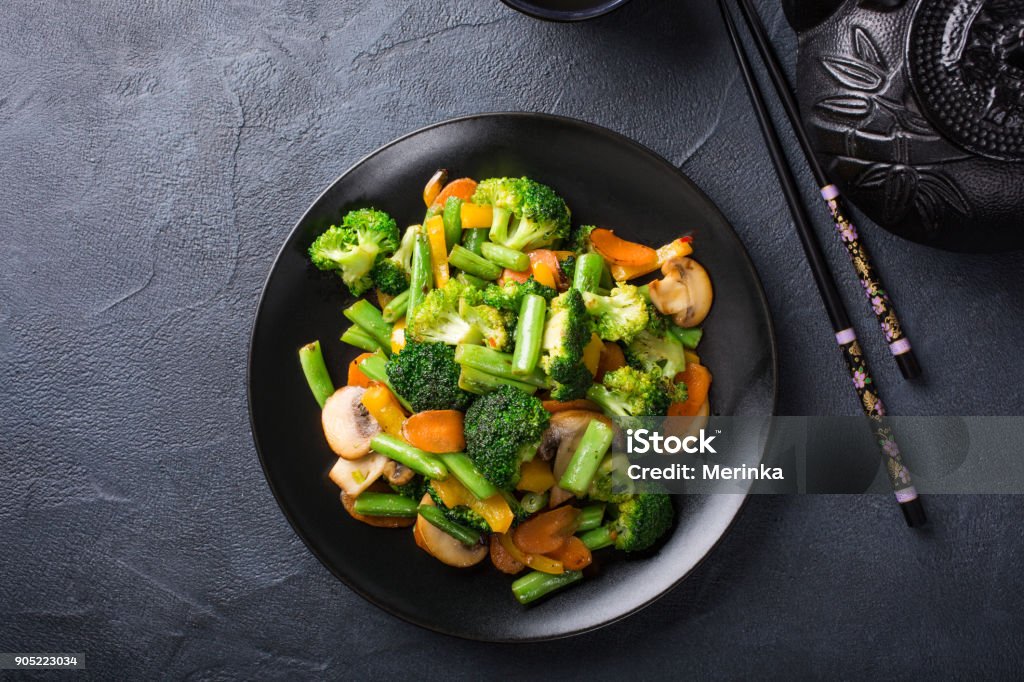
pixel 375 368
pixel 688 336
pixel 533 586
pixel 588 272
pixel 584 463
pixel 462 468
pixel 319 379
pixel 505 257
pixel 452 216
pixel 367 316
pixel 529 333
pixel 598 538
pixel 421 278
pixel 420 461
pixel 590 517
pixel 496 363
pixel 482 383
pixel 534 502
pixel 467 261
pixel 396 307
pixel 471 280
pixel 357 336
pixel 473 238
pixel 385 504
pixel 436 517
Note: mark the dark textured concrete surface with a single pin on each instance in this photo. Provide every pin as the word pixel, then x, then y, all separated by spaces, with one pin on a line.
pixel 153 157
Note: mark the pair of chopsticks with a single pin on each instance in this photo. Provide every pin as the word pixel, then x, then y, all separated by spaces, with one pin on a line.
pixel 899 476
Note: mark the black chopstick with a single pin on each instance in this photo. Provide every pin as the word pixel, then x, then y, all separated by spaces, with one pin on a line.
pixel 867 393
pixel 877 295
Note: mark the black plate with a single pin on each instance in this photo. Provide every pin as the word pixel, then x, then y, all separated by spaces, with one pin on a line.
pixel 565 10
pixel 606 179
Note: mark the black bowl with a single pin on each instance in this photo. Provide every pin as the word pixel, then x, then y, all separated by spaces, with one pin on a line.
pixel 565 10
pixel 606 179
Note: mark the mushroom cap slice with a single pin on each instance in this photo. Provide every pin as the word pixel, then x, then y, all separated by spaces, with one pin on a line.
pixel 444 547
pixel 356 475
pixel 347 423
pixel 685 293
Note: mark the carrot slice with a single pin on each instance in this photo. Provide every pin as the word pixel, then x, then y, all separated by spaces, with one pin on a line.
pixel 502 560
pixel 677 248
pixel 435 431
pixel 355 375
pixel 546 532
pixel 513 276
pixel 612 358
pixel 619 251
pixel 463 188
pixel 554 406
pixel 574 555
pixel 698 382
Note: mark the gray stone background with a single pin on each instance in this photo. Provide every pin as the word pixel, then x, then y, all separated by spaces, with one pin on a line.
pixel 153 157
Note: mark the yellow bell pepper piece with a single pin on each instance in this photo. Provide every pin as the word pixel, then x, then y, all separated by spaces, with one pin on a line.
pixel 476 215
pixel 677 248
pixel 542 273
pixel 384 408
pixel 691 357
pixel 438 250
pixel 398 336
pixel 535 477
pixel 494 509
pixel 592 353
pixel 537 562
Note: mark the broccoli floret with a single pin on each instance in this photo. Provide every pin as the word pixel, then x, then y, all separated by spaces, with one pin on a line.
pixel 574 383
pixel 612 483
pixel 580 241
pixel 621 315
pixel 566 332
pixel 462 515
pixel 391 275
pixel 539 216
pixel 450 315
pixel 509 296
pixel 631 392
pixel 353 248
pixel 568 267
pixel 427 375
pixel 414 489
pixel 498 427
pixel 651 351
pixel 642 519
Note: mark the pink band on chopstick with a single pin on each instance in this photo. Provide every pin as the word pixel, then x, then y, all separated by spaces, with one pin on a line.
pixel 906 494
pixel 846 336
pixel 829 192
pixel 900 347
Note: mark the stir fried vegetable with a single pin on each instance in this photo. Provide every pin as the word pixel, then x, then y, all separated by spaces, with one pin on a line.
pixel 504 343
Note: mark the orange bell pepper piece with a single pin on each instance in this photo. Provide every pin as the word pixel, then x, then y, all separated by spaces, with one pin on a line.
pixel 355 375
pixel 698 382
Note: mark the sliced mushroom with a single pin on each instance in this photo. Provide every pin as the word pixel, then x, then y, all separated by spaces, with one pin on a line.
pixel 356 475
pixel 347 423
pixel 349 502
pixel 685 293
pixel 444 547
pixel 398 474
